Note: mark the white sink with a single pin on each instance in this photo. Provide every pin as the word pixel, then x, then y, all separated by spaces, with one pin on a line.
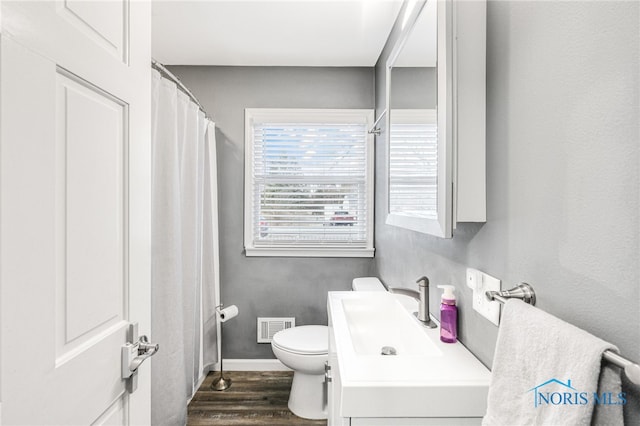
pixel 426 377
pixel 375 324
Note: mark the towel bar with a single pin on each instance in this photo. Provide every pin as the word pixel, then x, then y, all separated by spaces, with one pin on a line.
pixel 525 292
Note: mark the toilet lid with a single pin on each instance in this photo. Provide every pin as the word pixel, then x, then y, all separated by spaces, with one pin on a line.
pixel 306 339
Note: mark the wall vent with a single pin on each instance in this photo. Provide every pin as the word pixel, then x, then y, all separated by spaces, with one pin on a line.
pixel 267 327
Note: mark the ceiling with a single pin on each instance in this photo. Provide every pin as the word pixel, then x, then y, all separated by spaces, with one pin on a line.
pixel 271 32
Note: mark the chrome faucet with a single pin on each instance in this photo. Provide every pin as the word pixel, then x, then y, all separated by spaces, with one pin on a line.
pixel 422 296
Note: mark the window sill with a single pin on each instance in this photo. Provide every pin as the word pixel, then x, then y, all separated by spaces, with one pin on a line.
pixel 308 252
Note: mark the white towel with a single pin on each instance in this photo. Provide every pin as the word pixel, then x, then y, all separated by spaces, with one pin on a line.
pixel 548 372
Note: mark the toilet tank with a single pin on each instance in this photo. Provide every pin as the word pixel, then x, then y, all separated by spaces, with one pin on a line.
pixel 367 284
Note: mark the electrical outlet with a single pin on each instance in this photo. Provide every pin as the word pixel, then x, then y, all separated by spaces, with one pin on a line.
pixel 481 283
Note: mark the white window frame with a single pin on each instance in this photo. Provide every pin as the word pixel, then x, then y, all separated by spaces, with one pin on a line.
pixel 292 115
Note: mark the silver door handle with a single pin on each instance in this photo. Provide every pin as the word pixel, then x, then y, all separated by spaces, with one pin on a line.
pixel 134 353
pixel 145 350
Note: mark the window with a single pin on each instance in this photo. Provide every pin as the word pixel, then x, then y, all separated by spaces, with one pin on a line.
pixel 413 163
pixel 308 183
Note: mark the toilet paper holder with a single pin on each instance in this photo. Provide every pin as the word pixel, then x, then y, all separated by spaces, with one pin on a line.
pixel 222 383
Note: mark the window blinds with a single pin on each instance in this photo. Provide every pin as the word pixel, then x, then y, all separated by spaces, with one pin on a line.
pixel 413 165
pixel 309 185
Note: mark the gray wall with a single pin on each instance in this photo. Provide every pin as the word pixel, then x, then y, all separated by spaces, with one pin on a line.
pixel 270 286
pixel 413 87
pixel 562 176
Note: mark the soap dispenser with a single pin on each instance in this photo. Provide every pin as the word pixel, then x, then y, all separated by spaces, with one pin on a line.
pixel 448 315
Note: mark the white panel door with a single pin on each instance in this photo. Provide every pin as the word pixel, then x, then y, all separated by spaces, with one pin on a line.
pixel 74 209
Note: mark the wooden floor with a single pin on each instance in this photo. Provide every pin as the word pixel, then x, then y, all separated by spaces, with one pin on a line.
pixel 254 398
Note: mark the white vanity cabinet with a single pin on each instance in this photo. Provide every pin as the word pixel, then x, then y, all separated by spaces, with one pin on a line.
pixel 334 385
pixel 366 421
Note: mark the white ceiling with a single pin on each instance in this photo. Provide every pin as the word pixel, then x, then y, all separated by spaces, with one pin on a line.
pixel 271 32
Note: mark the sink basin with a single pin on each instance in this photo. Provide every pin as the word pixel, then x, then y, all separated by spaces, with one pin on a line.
pixel 426 378
pixel 378 323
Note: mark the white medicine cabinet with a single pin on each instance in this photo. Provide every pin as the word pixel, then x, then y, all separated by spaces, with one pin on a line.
pixel 435 116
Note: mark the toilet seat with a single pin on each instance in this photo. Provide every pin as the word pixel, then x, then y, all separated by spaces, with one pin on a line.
pixel 303 340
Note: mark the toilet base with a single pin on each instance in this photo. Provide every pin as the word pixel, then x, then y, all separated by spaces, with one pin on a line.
pixel 307 399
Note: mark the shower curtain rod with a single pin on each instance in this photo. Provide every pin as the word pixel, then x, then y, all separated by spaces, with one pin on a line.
pixel 158 66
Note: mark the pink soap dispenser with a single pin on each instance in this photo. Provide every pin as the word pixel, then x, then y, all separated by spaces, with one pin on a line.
pixel 448 315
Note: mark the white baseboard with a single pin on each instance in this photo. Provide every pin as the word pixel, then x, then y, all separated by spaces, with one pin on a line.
pixel 254 365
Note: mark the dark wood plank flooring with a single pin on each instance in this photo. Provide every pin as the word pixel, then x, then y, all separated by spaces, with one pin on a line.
pixel 255 398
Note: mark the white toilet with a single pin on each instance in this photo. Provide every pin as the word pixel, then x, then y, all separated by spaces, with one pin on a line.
pixel 305 350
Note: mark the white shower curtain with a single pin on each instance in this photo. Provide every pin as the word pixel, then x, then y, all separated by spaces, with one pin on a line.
pixel 185 273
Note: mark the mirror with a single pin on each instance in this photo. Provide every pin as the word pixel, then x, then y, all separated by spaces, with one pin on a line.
pixel 419 188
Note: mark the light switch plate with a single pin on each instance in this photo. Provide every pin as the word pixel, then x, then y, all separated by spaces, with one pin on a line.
pixel 481 282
